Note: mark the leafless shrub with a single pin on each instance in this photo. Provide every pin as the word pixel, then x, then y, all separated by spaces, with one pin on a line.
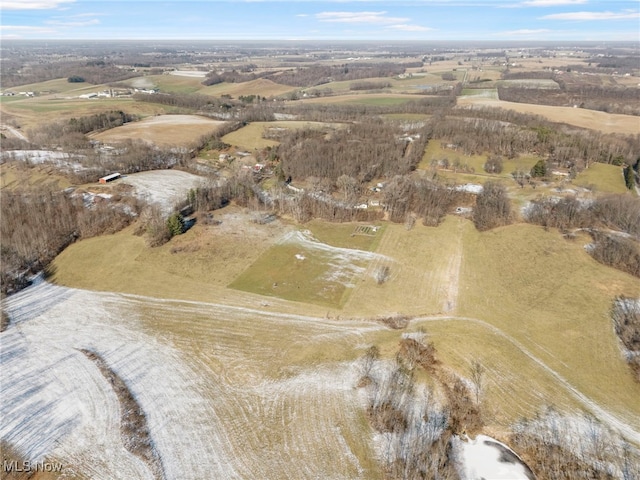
pixel 494 164
pixel 477 371
pixel 573 448
pixel 619 212
pixel 410 222
pixel 382 274
pixel 417 353
pixel 564 213
pixel 617 252
pixel 153 224
pixel 493 207
pixel 395 322
pixel 625 313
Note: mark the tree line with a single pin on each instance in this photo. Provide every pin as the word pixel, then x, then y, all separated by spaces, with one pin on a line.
pixel 36 226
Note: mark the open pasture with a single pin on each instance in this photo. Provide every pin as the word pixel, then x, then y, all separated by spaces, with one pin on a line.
pixel 251 136
pixel 601 177
pixel 225 393
pixel 260 86
pixel 162 130
pixel 302 268
pixel 17 177
pixel 36 111
pixel 580 117
pixel 366 99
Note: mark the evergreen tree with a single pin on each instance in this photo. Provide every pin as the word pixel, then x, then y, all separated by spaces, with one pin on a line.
pixel 175 224
pixel 539 169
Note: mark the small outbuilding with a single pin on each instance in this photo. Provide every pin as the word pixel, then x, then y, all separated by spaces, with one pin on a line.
pixel 109 178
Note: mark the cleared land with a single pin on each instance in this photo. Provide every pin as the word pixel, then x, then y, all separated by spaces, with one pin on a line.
pixel 227 393
pixel 251 136
pixel 163 187
pixel 165 130
pixel 32 112
pixel 602 178
pixel 461 281
pixel 366 99
pixel 260 86
pixel 302 268
pixel 580 117
pixel 16 177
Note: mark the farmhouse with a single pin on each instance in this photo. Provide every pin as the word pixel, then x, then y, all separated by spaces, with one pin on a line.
pixel 109 178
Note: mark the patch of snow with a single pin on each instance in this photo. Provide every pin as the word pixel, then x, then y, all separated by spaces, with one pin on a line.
pixel 487 458
pixel 469 188
pixel 164 187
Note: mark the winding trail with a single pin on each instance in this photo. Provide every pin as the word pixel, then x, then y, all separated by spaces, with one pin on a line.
pixel 603 415
pixel 217 383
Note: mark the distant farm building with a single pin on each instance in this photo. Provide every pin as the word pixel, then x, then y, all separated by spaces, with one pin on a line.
pixel 109 178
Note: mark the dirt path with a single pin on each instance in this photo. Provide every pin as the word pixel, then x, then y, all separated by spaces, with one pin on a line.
pixel 453 275
pixel 13 131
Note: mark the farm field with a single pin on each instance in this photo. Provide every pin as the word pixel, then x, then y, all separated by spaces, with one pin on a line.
pixel 580 117
pixel 251 136
pixel 260 86
pixel 258 341
pixel 36 111
pixel 602 178
pixel 366 99
pixel 265 375
pixel 15 177
pixel 164 130
pixel 227 393
pixel 300 267
pixel 452 278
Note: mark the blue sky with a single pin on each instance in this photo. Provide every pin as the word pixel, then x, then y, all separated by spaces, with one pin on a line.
pixel 558 20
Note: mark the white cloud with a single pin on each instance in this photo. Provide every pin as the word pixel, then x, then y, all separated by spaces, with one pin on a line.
pixel 625 15
pixel 33 4
pixel 359 17
pixel 552 3
pixel 409 28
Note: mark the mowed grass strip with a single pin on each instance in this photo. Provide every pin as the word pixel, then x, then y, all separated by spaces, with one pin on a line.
pixel 602 178
pixel 421 264
pixel 300 272
pixel 553 298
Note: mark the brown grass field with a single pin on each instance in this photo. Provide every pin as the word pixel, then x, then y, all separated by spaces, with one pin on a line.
pixel 528 303
pixel 261 86
pixel 251 136
pixel 580 117
pixel 15 177
pixel 36 111
pixel 165 130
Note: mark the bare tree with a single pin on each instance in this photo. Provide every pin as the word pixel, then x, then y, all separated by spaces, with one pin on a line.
pixel 477 377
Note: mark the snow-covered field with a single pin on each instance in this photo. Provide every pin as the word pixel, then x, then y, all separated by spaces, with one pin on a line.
pixel 164 187
pixel 220 396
